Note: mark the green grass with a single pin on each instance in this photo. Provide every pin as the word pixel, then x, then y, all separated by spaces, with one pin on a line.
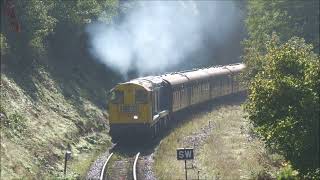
pixel 35 132
pixel 84 157
pixel 228 152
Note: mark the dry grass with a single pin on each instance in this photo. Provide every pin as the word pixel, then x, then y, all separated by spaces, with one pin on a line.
pixel 229 151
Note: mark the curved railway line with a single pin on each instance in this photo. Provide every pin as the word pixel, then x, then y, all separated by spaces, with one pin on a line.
pixel 122 160
pixel 120 167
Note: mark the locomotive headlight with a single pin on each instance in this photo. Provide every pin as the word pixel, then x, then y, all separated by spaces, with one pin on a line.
pixel 135 117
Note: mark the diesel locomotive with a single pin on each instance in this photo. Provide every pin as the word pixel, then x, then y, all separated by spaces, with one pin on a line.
pixel 143 106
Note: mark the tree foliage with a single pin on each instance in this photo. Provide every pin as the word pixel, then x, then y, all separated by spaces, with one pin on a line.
pixel 40 19
pixel 82 12
pixel 36 23
pixel 52 38
pixel 285 17
pixel 283 78
pixel 283 101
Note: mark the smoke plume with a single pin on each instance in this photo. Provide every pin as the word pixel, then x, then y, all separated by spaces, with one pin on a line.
pixel 158 35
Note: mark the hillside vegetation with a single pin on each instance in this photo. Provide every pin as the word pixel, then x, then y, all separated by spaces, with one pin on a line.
pixel 53 93
pixel 282 56
pixel 36 133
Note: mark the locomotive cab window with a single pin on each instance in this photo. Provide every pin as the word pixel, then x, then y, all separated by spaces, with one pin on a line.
pixel 116 97
pixel 141 96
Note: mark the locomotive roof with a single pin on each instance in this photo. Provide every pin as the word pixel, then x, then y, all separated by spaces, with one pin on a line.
pixel 149 82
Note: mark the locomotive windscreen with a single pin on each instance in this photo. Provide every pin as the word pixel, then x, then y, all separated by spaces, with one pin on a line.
pixel 117 97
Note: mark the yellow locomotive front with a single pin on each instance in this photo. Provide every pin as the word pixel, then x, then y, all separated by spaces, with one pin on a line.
pixel 130 110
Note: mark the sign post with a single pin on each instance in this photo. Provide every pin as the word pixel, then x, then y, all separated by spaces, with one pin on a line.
pixel 185 154
pixel 185 169
pixel 67 156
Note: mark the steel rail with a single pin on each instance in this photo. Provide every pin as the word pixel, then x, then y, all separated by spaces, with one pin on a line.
pixel 135 167
pixel 104 167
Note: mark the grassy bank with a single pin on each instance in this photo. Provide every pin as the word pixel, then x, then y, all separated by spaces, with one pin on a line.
pixel 224 148
pixel 39 123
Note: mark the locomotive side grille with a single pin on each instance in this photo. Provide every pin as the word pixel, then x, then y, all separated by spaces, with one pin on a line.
pixel 129 108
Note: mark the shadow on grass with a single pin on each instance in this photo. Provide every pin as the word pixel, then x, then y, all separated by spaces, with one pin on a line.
pixel 23 73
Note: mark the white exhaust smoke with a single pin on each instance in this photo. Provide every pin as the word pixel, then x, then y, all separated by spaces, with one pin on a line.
pixel 157 35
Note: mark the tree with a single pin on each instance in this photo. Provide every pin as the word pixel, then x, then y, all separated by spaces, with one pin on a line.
pixel 283 102
pixel 36 25
pixel 42 19
pixel 285 17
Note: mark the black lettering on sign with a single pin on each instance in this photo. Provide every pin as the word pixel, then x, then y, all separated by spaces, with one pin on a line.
pixel 185 153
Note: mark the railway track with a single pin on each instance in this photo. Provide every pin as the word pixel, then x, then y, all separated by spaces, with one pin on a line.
pixel 119 167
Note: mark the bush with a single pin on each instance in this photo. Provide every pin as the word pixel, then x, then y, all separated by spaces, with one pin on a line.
pixel 283 102
pixel 287 173
pixel 15 124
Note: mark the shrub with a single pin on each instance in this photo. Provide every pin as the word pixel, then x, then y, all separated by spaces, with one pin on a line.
pixel 283 102
pixel 287 173
pixel 15 124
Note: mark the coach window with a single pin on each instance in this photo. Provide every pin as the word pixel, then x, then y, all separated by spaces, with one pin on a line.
pixel 116 97
pixel 141 96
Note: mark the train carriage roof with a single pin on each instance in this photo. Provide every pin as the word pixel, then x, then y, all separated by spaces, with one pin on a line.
pixel 217 71
pixel 179 78
pixel 197 75
pixel 235 68
pixel 175 79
